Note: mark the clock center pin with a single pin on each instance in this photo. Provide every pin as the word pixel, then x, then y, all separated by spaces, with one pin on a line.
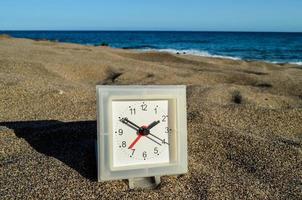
pixel 143 130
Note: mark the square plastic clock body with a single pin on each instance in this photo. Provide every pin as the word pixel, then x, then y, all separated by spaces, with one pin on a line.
pixel 142 131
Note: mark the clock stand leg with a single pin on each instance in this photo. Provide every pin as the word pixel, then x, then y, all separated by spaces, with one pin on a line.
pixel 144 182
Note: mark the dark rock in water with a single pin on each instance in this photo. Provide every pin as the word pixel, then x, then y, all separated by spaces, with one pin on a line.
pixel 103 44
pixel 184 53
pixel 46 40
pixel 177 53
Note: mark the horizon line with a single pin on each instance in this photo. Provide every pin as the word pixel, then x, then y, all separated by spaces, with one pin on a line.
pixel 137 30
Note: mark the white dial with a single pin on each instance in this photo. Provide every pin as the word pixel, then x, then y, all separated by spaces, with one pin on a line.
pixel 140 132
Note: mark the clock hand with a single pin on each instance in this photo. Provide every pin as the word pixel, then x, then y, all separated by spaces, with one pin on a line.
pixel 153 124
pixel 159 139
pixel 135 141
pixel 140 129
pixel 138 138
pixel 130 124
pixel 140 134
pixel 154 140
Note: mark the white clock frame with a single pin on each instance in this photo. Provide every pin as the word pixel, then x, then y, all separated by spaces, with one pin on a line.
pixel 176 94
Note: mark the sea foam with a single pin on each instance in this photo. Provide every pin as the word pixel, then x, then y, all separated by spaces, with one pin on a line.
pixel 207 54
pixel 191 52
pixel 296 63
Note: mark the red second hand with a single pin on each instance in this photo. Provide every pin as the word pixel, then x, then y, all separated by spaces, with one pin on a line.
pixel 136 140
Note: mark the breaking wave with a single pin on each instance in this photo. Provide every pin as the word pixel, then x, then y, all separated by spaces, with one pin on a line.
pixel 191 52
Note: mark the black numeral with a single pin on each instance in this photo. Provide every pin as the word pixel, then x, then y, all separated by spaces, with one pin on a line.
pixel 133 150
pixel 155 150
pixel 120 131
pixel 168 130
pixel 164 142
pixel 132 111
pixel 124 144
pixel 144 155
pixel 164 118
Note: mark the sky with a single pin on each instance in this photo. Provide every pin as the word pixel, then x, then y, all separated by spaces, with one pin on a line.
pixel 181 15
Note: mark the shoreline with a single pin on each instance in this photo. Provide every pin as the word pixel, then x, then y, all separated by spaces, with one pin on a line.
pixel 205 54
pixel 194 52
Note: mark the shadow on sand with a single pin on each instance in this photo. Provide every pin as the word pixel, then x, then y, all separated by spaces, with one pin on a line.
pixel 70 142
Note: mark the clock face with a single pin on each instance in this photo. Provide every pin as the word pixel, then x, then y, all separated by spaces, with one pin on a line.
pixel 141 132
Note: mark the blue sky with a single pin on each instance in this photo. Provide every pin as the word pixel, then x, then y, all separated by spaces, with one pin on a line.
pixel 196 15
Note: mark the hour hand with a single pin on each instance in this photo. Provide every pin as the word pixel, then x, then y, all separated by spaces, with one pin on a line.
pixel 130 124
pixel 153 124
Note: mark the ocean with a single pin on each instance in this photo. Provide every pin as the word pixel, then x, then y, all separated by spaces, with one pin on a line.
pixel 269 47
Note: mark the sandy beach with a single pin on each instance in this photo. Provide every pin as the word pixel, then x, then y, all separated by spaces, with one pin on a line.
pixel 244 122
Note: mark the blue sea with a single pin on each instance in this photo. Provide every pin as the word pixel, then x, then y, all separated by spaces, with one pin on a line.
pixel 269 47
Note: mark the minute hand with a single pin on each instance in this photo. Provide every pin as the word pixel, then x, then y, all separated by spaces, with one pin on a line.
pixel 151 126
pixel 130 124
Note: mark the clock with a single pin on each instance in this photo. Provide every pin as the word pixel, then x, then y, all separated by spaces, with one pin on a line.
pixel 142 131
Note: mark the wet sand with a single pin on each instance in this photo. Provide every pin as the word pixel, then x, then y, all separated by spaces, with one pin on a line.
pixel 244 122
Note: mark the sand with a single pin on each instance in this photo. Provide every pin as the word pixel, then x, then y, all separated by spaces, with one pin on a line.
pixel 244 123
